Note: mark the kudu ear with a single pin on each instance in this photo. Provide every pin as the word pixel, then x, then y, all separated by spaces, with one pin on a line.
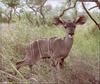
pixel 57 20
pixel 80 20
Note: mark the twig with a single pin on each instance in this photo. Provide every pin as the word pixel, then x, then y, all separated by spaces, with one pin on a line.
pixel 27 16
pixel 97 5
pixel 41 11
pixel 67 9
pixel 32 7
pixel 90 15
pixel 10 17
pixel 10 76
pixel 87 0
pixel 35 11
pixel 12 65
pixel 93 7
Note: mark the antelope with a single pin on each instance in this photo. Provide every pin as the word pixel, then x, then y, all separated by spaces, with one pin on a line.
pixel 57 49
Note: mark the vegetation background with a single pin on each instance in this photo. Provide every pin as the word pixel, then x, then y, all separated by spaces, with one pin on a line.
pixel 17 30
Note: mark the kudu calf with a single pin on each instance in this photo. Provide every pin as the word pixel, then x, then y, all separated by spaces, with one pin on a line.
pixel 57 49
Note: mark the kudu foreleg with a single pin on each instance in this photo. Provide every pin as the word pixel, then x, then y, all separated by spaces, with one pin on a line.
pixel 60 63
pixel 57 62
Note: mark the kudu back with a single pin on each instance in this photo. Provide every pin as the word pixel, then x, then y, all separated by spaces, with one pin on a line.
pixel 57 49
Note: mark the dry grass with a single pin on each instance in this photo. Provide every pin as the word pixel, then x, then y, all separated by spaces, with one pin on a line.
pixel 81 67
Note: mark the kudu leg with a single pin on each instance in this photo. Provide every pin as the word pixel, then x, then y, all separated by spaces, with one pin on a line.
pixel 57 62
pixel 53 64
pixel 24 63
pixel 30 66
pixel 57 65
pixel 20 64
pixel 32 70
pixel 60 71
pixel 61 63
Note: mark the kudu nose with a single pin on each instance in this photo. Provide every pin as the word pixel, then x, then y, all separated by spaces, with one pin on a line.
pixel 71 34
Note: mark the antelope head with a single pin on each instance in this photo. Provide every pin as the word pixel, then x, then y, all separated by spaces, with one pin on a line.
pixel 70 25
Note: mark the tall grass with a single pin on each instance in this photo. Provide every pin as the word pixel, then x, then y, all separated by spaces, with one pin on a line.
pixel 85 48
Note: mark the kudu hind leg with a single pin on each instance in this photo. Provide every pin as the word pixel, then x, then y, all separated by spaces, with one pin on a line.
pixel 24 63
pixel 60 71
pixel 20 64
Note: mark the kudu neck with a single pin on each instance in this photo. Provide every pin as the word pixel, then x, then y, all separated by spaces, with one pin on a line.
pixel 69 36
pixel 69 39
pixel 68 42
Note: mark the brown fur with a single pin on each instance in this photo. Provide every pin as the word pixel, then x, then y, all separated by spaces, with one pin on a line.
pixel 57 49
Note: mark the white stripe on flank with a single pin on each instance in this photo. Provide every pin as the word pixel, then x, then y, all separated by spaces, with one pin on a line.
pixel 39 48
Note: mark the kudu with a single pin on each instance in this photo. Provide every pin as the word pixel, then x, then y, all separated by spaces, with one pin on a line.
pixel 57 49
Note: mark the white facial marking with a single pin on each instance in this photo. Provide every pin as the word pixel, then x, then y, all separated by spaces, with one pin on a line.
pixel 70 36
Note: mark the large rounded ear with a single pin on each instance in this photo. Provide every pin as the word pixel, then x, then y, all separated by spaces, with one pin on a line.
pixel 57 20
pixel 80 20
